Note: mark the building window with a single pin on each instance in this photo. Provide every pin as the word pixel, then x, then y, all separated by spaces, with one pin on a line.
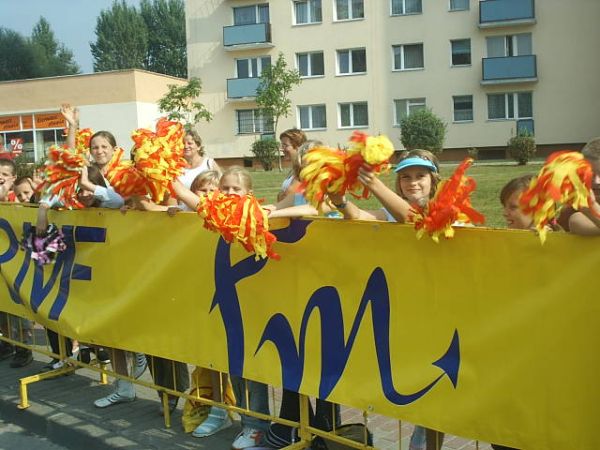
pixel 459 5
pixel 308 11
pixel 403 7
pixel 249 15
pixel 349 9
pixel 352 61
pixel 354 115
pixel 509 45
pixel 251 67
pixel 463 108
pixel 250 121
pixel 406 106
pixel 512 105
pixel 461 52
pixel 312 117
pixel 408 56
pixel 310 64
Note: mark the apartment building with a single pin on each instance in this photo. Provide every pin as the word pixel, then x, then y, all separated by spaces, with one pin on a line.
pixel 487 68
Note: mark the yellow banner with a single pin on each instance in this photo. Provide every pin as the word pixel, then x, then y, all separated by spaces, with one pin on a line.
pixel 489 335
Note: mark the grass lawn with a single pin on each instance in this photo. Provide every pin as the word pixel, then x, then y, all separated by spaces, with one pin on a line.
pixel 489 177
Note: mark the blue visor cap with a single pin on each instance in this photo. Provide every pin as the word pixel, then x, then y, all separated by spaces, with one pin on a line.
pixel 415 162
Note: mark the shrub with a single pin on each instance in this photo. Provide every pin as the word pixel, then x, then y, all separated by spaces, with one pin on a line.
pixel 473 152
pixel 266 151
pixel 521 147
pixel 423 129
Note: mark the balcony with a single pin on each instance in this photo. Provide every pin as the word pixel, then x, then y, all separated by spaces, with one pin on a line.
pixel 246 37
pixel 242 89
pixel 503 13
pixel 509 69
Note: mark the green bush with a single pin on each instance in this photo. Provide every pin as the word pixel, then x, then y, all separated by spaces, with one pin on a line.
pixel 266 151
pixel 423 129
pixel 521 147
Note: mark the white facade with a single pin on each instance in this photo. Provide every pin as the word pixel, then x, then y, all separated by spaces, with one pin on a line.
pixel 384 56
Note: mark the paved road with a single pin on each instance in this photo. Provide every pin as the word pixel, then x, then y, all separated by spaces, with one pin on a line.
pixel 13 437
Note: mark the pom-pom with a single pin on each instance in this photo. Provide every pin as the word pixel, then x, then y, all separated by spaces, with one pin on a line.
pixel 450 204
pixel 61 175
pixel 157 161
pixel 565 179
pixel 238 219
pixel 327 170
pixel 44 249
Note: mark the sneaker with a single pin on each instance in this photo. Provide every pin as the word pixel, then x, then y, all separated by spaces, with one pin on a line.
pixel 217 420
pixel 248 437
pixel 54 365
pixel 22 358
pixel 418 440
pixel 124 392
pixel 140 365
pixel 6 350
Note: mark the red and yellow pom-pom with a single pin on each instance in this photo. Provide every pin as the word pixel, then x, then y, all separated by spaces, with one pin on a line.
pixel 239 219
pixel 328 170
pixel 565 179
pixel 159 156
pixel 450 204
pixel 157 161
pixel 61 175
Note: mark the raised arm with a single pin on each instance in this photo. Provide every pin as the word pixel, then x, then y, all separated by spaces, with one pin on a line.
pixel 395 205
pixel 71 115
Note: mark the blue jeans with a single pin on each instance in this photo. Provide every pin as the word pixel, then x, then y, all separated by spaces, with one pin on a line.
pixel 258 397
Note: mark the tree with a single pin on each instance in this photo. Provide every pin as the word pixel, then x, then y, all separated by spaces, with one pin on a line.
pixel 522 147
pixel 51 58
pixel 16 56
pixel 167 46
pixel 180 103
pixel 266 151
pixel 121 39
pixel 272 94
pixel 423 129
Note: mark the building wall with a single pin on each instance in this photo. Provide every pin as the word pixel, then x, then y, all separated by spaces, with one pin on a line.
pixel 566 95
pixel 118 101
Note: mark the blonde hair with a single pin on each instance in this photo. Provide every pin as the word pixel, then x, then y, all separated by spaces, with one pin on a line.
pixel 591 150
pixel 427 155
pixel 242 174
pixel 206 177
pixel 303 150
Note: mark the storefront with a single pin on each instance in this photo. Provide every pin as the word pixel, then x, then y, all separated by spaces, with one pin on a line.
pixel 31 134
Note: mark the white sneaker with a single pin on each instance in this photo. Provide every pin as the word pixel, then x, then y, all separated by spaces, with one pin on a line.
pixel 248 437
pixel 124 392
pixel 217 420
pixel 139 366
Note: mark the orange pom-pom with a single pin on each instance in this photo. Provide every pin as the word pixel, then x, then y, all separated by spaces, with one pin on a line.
pixel 239 219
pixel 450 204
pixel 61 175
pixel 565 179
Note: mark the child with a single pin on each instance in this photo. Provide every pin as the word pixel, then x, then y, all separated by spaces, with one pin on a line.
pixel 416 182
pixel 8 171
pixel 509 197
pixel 237 181
pixel 204 183
pixel 586 221
pixel 24 190
pixel 21 328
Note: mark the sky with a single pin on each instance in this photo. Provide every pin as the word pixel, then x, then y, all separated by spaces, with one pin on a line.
pixel 72 21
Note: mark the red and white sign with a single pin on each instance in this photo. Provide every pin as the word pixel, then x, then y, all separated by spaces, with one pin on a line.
pixel 17 145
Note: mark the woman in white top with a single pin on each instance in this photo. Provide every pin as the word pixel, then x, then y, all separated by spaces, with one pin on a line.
pixel 290 140
pixel 198 162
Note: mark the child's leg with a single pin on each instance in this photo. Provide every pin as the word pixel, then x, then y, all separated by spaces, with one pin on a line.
pixel 217 419
pixel 124 390
pixel 253 429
